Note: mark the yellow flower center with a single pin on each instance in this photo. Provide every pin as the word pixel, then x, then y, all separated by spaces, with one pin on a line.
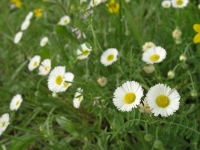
pixel 129 98
pixel 79 98
pixel 3 124
pixel 179 2
pixel 166 5
pixel 110 57
pixel 66 84
pixel 85 52
pixel 162 101
pixel 17 103
pixel 35 63
pixel 46 68
pixel 59 80
pixel 65 21
pixel 154 57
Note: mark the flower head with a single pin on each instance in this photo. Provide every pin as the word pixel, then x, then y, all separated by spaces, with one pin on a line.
pixel 109 56
pixel 58 80
pixel 34 62
pixel 29 16
pixel 44 41
pixel 171 74
pixel 18 37
pixel 182 58
pixel 94 3
pixel 148 45
pixel 25 25
pixel 179 3
pixel 144 108
pixel 163 100
pixel 45 67
pixel 176 34
pixel 78 97
pixel 154 55
pixel 113 7
pixel 128 96
pixel 102 81
pixel 64 20
pixel 38 12
pixel 166 4
pixel 196 28
pixel 149 69
pixel 4 122
pixel 84 52
pixel 17 3
pixel 16 102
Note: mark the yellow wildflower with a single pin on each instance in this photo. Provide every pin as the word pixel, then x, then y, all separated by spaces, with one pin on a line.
pixel 17 3
pixel 196 28
pixel 113 7
pixel 38 12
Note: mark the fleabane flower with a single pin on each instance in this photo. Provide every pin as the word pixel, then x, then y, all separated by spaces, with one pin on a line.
pixel 16 102
pixel 84 52
pixel 78 97
pixel 94 3
pixel 18 37
pixel 154 55
pixel 25 25
pixel 34 62
pixel 166 4
pixel 45 67
pixel 109 56
pixel 148 45
pixel 162 100
pixel 128 96
pixel 58 80
pixel 4 122
pixel 64 20
pixel 29 16
pixel 179 3
pixel 44 41
pixel 196 28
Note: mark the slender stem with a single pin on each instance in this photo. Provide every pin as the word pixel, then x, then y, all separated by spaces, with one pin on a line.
pixel 157 129
pixel 191 79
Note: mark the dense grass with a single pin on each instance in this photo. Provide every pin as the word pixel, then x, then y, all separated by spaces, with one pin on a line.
pixel 47 122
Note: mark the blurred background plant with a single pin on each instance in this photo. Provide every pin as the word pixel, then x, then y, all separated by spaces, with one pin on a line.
pixel 47 120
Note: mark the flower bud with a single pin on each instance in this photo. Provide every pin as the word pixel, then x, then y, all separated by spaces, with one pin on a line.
pixel 171 74
pixel 149 69
pixel 176 33
pixel 158 144
pixel 148 137
pixel 182 58
pixel 102 81
pixel 194 93
pixel 54 95
pixel 178 41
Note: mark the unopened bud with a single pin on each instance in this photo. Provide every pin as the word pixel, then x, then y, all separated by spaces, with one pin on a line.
pixel 149 69
pixel 176 33
pixel 102 81
pixel 194 93
pixel 148 137
pixel 54 95
pixel 182 58
pixel 171 74
pixel 158 144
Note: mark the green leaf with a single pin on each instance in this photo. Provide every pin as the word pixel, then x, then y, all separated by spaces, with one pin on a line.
pixel 21 143
pixel 67 125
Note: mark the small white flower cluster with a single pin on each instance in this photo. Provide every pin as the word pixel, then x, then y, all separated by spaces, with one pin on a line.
pixel 24 26
pixel 159 100
pixel 14 105
pixel 44 68
pixel 174 3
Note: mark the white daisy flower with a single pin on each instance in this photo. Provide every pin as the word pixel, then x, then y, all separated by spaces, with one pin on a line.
pixel 44 41
pixel 148 45
pixel 85 52
pixel 16 102
pixel 68 78
pixel 128 96
pixel 25 25
pixel 29 16
pixel 154 55
pixel 18 37
pixel 109 56
pixel 179 3
pixel 45 67
pixel 166 4
pixel 34 62
pixel 94 3
pixel 163 100
pixel 58 80
pixel 78 97
pixel 4 122
pixel 64 20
